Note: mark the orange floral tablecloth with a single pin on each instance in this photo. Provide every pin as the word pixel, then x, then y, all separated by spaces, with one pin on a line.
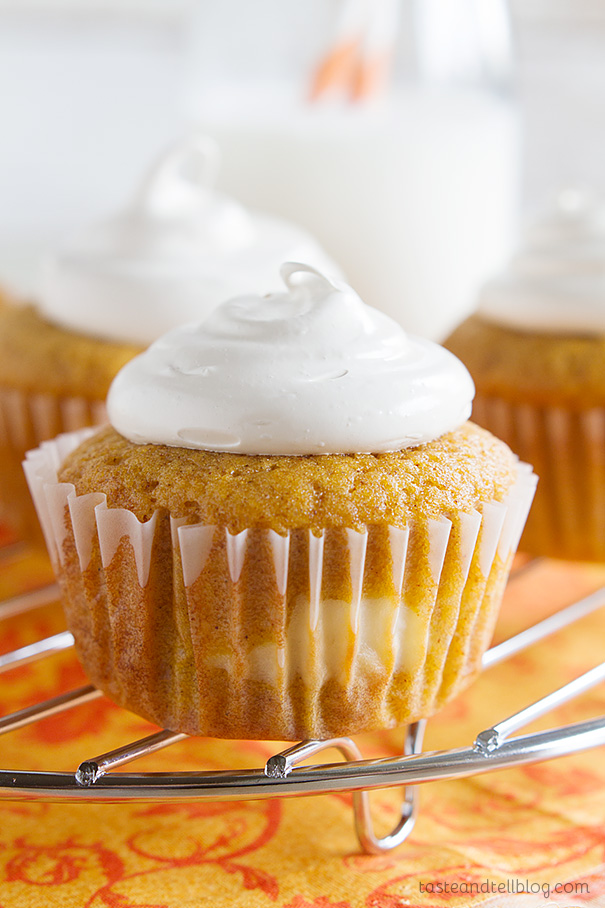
pixel 481 841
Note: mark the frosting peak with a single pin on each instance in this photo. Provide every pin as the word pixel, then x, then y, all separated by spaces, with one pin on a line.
pixel 556 281
pixel 174 253
pixel 312 370
pixel 177 202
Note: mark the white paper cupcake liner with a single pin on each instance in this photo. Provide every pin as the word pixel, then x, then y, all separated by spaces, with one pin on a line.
pixel 28 418
pixel 262 635
pixel 567 449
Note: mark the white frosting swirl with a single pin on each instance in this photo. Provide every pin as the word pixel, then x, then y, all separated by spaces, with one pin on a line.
pixel 310 371
pixel 556 281
pixel 175 253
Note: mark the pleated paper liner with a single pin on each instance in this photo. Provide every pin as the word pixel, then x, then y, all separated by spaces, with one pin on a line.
pixel 27 419
pixel 567 450
pixel 258 635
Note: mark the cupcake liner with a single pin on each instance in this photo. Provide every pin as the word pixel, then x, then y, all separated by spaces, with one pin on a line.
pixel 256 634
pixel 26 419
pixel 567 449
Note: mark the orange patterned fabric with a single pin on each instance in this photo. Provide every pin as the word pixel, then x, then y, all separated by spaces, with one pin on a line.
pixel 481 841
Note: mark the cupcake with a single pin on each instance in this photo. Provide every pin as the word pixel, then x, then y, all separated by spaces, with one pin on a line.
pixel 177 250
pixel 289 530
pixel 536 351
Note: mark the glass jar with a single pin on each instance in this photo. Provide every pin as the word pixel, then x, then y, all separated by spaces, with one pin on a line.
pixel 386 127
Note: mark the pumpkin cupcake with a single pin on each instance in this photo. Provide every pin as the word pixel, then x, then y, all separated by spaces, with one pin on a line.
pixel 536 351
pixel 179 249
pixel 289 530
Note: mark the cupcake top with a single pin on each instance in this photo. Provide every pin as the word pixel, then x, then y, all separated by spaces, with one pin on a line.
pixel 556 281
pixel 310 371
pixel 177 251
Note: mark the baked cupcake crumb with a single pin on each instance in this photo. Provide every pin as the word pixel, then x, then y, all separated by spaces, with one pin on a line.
pixel 456 472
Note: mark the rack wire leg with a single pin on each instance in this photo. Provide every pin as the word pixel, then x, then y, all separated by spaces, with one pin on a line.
pixel 281 765
pixel 364 827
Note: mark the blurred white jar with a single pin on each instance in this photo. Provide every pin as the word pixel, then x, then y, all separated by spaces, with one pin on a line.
pixel 413 191
pixel 414 194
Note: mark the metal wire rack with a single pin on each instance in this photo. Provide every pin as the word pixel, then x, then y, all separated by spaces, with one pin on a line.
pixel 282 775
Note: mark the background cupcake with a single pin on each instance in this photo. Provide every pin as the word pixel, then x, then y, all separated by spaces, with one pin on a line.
pixel 536 351
pixel 289 530
pixel 178 250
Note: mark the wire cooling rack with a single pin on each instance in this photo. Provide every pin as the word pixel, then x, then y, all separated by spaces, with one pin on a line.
pixel 493 748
